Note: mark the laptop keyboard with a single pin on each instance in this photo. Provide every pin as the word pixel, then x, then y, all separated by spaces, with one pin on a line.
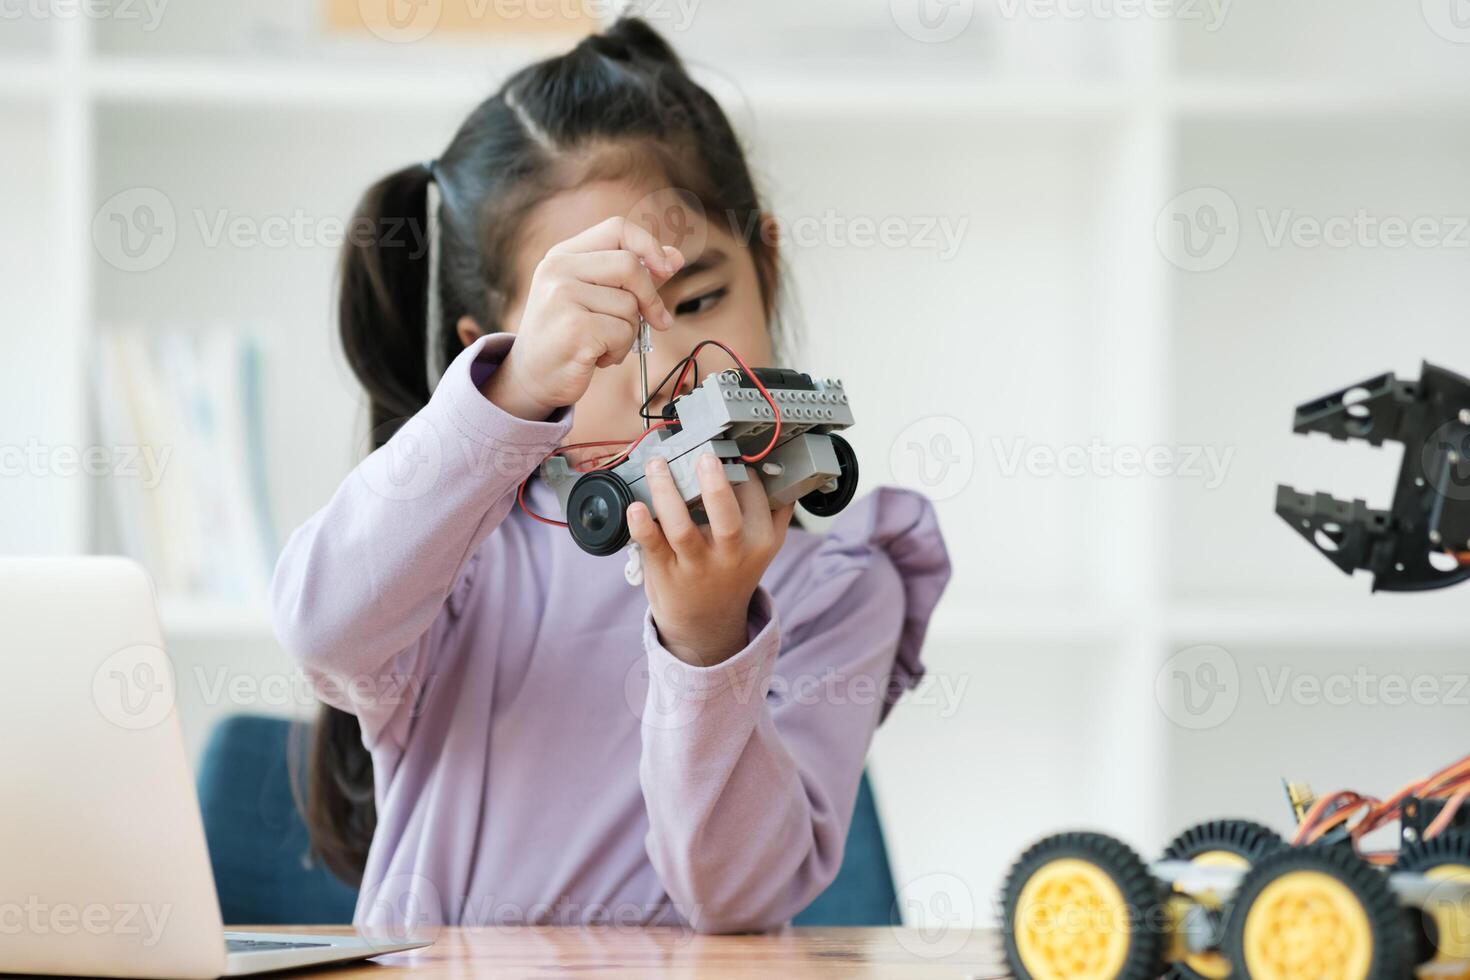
pixel 262 945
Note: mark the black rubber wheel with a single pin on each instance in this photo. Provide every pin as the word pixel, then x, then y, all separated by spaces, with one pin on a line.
pixel 1449 855
pixel 1234 841
pixel 1289 895
pixel 825 504
pixel 1449 848
pixel 597 513
pixel 1245 839
pixel 1078 930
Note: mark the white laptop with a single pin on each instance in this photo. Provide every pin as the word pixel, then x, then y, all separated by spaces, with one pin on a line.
pixel 103 864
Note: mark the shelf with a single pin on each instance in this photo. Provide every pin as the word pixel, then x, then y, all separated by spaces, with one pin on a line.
pixel 1191 98
pixel 843 93
pixel 1375 621
pixel 134 81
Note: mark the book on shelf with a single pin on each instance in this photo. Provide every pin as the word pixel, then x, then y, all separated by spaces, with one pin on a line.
pixel 194 510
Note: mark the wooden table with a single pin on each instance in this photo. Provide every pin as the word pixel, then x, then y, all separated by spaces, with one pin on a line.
pixel 635 954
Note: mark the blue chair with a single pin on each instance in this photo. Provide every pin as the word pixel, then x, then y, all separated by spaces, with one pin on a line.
pixel 265 874
pixel 862 893
pixel 258 844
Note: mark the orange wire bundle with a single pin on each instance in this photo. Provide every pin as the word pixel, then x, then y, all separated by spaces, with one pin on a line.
pixel 1452 783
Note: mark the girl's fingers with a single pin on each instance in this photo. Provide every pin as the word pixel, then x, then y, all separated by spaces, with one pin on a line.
pixel 755 506
pixel 781 522
pixel 613 336
pixel 646 532
pixel 720 505
pixel 673 514
pixel 622 270
pixel 620 233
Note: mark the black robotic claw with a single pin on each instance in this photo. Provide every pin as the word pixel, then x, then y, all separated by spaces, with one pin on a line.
pixel 1423 541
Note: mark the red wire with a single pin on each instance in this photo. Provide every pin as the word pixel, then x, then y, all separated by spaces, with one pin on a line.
pixel 521 499
pixel 775 409
pixel 521 493
pixel 678 386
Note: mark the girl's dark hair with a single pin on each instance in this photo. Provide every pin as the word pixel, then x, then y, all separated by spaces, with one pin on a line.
pixel 619 105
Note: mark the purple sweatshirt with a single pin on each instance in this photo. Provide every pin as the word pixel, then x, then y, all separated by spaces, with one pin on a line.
pixel 539 757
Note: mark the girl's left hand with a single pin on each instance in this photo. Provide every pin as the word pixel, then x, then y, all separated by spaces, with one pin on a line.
pixel 700 579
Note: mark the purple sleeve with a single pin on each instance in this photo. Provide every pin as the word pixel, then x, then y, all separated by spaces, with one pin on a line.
pixel 750 769
pixel 360 588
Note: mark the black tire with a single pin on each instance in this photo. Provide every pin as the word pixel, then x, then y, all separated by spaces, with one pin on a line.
pixel 1243 838
pixel 1449 850
pixel 597 513
pixel 1144 897
pixel 1246 840
pixel 1451 847
pixel 1390 949
pixel 826 504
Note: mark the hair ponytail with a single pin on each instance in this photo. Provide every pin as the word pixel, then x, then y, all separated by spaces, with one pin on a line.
pixel 382 308
pixel 382 321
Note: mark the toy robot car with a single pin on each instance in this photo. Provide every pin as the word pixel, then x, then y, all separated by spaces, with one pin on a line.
pixel 727 415
pixel 1423 541
pixel 1230 898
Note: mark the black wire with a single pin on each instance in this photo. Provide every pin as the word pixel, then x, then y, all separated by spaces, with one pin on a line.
pixel 688 359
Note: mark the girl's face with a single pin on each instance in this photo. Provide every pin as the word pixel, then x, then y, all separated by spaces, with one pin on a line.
pixel 716 296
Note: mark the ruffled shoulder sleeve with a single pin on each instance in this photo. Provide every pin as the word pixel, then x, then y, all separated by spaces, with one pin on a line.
pixel 889 541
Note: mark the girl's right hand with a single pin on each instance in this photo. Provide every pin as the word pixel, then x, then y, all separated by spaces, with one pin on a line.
pixel 582 314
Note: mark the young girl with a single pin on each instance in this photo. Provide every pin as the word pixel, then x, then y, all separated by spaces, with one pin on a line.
pixel 515 734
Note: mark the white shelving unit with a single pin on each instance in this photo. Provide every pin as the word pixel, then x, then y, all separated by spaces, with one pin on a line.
pixel 1058 321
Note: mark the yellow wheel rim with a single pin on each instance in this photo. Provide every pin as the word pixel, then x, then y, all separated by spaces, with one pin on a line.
pixel 1449 918
pixel 1072 922
pixel 1307 925
pixel 1213 966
